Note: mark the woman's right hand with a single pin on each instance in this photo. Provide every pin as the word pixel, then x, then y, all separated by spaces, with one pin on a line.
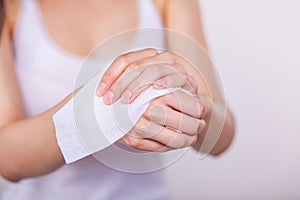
pixel 170 122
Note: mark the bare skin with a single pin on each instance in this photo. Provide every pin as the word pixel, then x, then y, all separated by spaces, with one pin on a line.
pixel 28 146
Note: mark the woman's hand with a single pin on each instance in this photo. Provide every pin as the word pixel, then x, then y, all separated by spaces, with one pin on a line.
pixel 132 73
pixel 170 122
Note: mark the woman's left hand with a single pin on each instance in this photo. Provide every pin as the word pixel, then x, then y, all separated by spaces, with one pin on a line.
pixel 132 73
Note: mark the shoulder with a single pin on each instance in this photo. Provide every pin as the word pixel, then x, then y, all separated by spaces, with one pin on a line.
pixel 161 7
pixel 11 12
pixel 2 10
pixel 167 7
pixel 183 16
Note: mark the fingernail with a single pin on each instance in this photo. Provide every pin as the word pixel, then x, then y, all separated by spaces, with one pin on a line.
pixel 125 98
pixel 159 85
pixel 101 88
pixel 108 97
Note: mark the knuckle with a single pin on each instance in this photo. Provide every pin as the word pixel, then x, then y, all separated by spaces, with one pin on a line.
pixel 158 100
pixel 143 123
pixel 179 68
pixel 134 66
pixel 170 57
pixel 203 111
pixel 189 79
pixel 140 144
pixel 195 88
pixel 154 69
pixel 151 51
pixel 200 108
pixel 189 141
pixel 194 140
pixel 147 113
pixel 141 126
pixel 168 98
pixel 133 142
pixel 118 87
pixel 199 126
pixel 183 143
pixel 183 77
pixel 192 83
pixel 123 58
pixel 124 139
pixel 153 112
pixel 133 87
pixel 176 141
pixel 202 127
pixel 109 74
pixel 162 149
pixel 195 127
pixel 138 128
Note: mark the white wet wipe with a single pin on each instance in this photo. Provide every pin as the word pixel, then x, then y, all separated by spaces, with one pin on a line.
pixel 86 125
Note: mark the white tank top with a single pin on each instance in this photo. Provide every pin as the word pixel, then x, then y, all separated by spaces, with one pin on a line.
pixel 46 74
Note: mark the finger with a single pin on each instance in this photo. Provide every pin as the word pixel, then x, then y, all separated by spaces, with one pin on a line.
pixel 191 85
pixel 166 136
pixel 168 78
pixel 146 79
pixel 177 80
pixel 119 65
pixel 135 78
pixel 154 71
pixel 166 116
pixel 144 144
pixel 153 68
pixel 174 139
pixel 163 58
pixel 206 101
pixel 185 103
pixel 121 84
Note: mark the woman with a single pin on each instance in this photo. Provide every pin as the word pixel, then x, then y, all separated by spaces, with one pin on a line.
pixel 40 37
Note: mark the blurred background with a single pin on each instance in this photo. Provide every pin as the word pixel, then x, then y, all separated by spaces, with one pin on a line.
pixel 256 48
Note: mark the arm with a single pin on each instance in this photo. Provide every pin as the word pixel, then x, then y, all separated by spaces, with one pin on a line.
pixel 127 78
pixel 28 146
pixel 185 18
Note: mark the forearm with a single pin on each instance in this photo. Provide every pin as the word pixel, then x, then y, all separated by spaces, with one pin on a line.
pixel 28 147
pixel 219 138
pixel 226 136
pixel 220 141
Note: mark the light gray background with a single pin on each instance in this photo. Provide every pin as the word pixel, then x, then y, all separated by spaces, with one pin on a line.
pixel 256 47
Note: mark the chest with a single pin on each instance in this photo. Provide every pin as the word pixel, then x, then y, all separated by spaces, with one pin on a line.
pixel 79 27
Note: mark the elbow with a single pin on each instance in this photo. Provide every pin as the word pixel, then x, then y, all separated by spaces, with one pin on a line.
pixel 226 137
pixel 10 175
pixel 11 178
pixel 217 144
pixel 223 146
